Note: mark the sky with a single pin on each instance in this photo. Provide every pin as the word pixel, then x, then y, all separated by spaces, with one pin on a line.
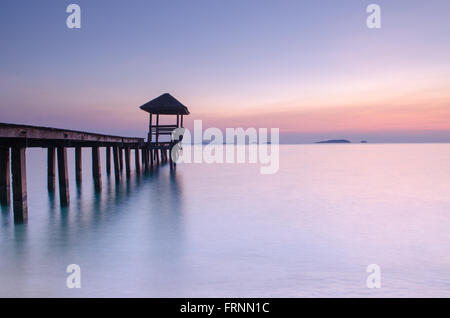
pixel 313 68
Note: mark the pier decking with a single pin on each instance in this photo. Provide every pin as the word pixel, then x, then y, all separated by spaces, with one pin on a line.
pixel 14 139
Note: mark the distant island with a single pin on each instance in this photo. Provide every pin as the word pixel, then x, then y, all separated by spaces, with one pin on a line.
pixel 334 141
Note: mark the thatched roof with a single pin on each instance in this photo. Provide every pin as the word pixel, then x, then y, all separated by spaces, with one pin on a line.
pixel 165 104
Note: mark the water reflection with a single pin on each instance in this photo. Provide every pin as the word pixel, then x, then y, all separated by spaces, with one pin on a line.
pixel 6 211
pixel 140 215
pixel 21 253
pixel 89 208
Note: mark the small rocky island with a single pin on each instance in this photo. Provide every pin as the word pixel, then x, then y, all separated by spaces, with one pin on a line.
pixel 334 141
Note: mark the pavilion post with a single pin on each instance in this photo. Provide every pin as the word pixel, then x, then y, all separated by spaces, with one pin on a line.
pixel 150 130
pixel 157 136
pixel 157 130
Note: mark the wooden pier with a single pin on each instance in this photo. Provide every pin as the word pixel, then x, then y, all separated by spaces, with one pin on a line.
pixel 15 139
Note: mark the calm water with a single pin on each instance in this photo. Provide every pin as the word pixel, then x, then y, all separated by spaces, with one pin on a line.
pixel 225 230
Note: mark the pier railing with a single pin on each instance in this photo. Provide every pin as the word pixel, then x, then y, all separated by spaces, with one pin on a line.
pixel 14 139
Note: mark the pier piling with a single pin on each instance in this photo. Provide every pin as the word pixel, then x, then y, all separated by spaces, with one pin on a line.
pixel 78 165
pixel 127 161
pixel 63 177
pixel 145 158
pixel 108 160
pixel 19 179
pixel 5 177
pixel 96 169
pixel 150 156
pixel 116 163
pixel 51 169
pixel 121 158
pixel 15 139
pixel 137 162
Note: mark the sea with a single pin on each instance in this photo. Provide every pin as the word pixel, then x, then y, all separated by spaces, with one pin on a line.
pixel 330 218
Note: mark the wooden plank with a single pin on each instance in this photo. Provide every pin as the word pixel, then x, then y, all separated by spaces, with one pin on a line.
pixel 63 177
pixel 137 162
pixel 165 126
pixel 108 160
pixel 156 129
pixel 51 169
pixel 168 132
pixel 116 163
pixel 5 176
pixel 19 179
pixel 78 165
pixel 96 169
pixel 45 143
pixel 36 132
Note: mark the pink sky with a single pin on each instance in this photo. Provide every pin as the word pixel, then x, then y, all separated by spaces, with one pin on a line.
pixel 306 68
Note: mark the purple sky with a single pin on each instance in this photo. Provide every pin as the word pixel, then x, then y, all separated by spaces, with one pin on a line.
pixel 311 68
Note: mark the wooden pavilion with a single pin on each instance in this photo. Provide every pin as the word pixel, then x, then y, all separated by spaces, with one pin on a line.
pixel 166 105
